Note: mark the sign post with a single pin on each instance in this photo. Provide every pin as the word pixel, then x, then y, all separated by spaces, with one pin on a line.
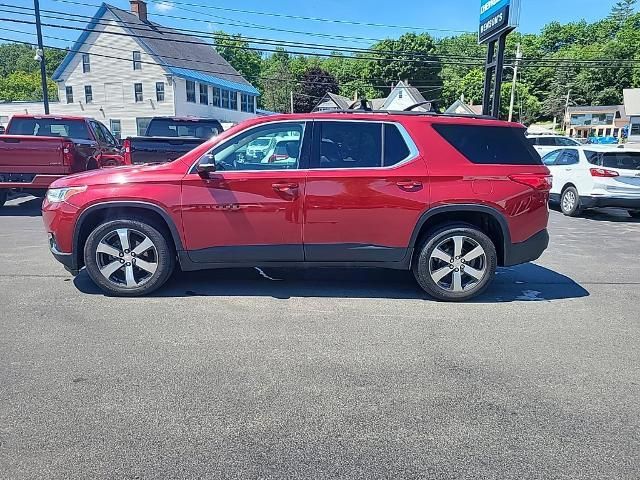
pixel 497 19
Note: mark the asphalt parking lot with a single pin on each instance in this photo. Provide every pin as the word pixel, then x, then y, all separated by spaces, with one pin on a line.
pixel 324 373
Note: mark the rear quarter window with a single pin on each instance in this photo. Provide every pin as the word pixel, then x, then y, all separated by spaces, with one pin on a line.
pixel 490 145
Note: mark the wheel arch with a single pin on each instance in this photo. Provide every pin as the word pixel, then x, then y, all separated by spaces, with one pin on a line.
pixel 489 220
pixel 567 185
pixel 100 212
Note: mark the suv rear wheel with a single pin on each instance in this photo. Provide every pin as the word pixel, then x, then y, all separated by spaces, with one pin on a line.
pixel 128 257
pixel 455 263
pixel 570 202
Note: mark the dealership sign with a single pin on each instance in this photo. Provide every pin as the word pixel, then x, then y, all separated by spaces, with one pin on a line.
pixel 497 17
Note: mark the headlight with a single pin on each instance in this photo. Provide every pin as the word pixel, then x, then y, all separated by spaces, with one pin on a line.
pixel 57 195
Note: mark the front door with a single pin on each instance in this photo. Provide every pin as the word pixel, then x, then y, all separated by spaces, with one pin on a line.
pixel 366 189
pixel 250 210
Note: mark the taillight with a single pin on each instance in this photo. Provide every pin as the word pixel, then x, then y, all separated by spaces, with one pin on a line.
pixel 67 153
pixel 603 172
pixel 536 181
pixel 127 151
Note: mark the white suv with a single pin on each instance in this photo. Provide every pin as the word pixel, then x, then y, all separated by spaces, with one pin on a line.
pixel 595 176
pixel 548 143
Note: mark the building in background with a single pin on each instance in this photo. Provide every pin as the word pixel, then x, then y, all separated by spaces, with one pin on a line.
pixel 595 121
pixel 632 107
pixel 124 70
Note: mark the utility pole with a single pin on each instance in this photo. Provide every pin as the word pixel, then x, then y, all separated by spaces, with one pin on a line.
pixel 515 81
pixel 291 101
pixel 40 57
pixel 566 111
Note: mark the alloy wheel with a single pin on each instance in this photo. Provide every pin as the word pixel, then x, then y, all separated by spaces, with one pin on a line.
pixel 127 257
pixel 458 264
pixel 568 201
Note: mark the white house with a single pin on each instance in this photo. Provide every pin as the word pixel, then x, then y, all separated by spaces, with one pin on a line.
pixel 632 107
pixel 125 69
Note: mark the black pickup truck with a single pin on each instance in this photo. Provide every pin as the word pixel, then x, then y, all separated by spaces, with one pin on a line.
pixel 168 138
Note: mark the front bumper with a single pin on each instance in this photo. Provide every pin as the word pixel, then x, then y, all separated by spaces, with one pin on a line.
pixel 527 251
pixel 68 260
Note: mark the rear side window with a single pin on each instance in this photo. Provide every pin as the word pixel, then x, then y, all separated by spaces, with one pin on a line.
pixel 489 144
pixel 395 148
pixel 50 127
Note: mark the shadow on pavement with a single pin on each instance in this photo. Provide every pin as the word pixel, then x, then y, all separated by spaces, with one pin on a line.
pixel 614 215
pixel 22 206
pixel 528 282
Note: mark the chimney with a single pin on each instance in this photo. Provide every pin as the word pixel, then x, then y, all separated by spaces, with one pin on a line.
pixel 139 9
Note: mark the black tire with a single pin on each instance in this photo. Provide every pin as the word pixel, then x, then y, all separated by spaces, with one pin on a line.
pixel 423 262
pixel 3 197
pixel 163 257
pixel 570 202
pixel 634 213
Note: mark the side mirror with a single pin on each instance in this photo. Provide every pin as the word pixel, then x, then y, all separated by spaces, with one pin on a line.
pixel 205 170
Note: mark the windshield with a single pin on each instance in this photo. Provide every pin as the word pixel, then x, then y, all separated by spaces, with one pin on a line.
pixel 50 127
pixel 184 128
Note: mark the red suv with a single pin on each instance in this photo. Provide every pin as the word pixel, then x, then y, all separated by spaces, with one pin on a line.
pixel 447 197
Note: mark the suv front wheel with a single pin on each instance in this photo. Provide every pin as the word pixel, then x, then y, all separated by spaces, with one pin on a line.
pixel 455 263
pixel 128 257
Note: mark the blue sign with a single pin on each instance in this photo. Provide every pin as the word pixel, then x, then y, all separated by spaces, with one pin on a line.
pixel 496 18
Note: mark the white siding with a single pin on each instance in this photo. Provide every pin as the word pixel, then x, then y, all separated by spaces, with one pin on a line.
pixel 186 109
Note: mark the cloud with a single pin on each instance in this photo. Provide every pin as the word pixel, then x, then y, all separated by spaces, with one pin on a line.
pixel 164 6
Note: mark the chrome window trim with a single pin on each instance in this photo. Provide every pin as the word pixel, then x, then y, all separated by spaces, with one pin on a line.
pixel 414 152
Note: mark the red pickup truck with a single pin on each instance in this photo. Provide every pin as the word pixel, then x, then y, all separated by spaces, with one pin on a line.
pixel 37 150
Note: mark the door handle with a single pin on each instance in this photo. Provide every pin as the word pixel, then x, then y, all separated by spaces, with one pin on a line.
pixel 409 184
pixel 285 187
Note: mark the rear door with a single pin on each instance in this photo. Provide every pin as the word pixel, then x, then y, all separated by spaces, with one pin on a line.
pixel 366 188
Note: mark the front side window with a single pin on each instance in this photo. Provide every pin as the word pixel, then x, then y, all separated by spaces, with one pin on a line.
pixel 191 91
pixel 160 91
pixel 137 61
pixel 268 147
pixel 141 124
pixel 98 132
pixel 69 94
pixel 567 142
pixel 86 63
pixel 137 90
pixel 107 134
pixel 88 94
pixel 204 94
pixel 349 145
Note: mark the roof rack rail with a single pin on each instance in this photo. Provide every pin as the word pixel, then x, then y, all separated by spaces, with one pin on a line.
pixel 410 113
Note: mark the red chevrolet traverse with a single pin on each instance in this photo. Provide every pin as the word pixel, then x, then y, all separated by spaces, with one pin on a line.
pixel 447 197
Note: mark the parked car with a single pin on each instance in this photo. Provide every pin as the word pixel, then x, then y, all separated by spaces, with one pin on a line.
pixel 595 176
pixel 169 138
pixel 259 147
pixel 449 198
pixel 548 143
pixel 36 150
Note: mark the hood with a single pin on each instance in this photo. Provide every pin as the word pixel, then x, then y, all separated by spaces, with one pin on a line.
pixel 121 175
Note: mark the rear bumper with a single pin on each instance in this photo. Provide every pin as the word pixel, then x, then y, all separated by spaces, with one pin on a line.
pixel 527 251
pixel 594 202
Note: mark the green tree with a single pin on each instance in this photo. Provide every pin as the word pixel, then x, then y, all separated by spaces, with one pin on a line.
pixel 622 10
pixel 24 86
pixel 411 57
pixel 277 82
pixel 314 84
pixel 238 52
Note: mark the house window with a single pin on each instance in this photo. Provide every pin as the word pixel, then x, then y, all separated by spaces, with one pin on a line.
pixel 635 129
pixel 137 61
pixel 116 128
pixel 191 91
pixel 400 93
pixel 246 104
pixel 88 94
pixel 86 64
pixel 69 92
pixel 233 97
pixel 137 89
pixel 216 97
pixel 160 91
pixel 225 99
pixel 204 94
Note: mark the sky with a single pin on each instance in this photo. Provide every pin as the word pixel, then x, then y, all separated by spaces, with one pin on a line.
pixel 440 18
